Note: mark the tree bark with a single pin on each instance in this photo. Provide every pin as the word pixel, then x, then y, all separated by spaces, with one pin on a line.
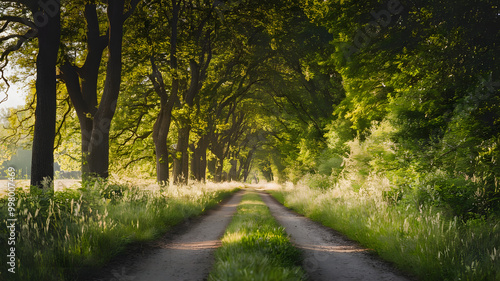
pixel 218 151
pixel 49 36
pixel 219 177
pixel 98 159
pixel 181 169
pixel 81 83
pixel 203 162
pixel 160 134
pixel 233 174
pixel 199 159
pixel 182 166
pixel 161 127
pixel 246 164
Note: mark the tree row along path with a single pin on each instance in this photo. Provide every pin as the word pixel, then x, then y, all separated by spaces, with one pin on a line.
pixel 188 254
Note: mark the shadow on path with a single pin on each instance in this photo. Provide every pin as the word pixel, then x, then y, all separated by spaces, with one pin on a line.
pixel 186 253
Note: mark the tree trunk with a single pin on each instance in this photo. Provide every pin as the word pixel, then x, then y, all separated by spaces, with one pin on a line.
pixel 86 132
pixel 199 159
pixel 161 127
pixel 202 152
pixel 81 83
pixel 198 74
pixel 42 165
pixel 182 167
pixel 90 77
pixel 219 166
pixel 195 162
pixel 247 164
pixel 160 134
pixel 211 167
pixel 161 149
pixel 72 80
pixel 219 177
pixel 203 163
pixel 233 175
pixel 99 143
pixel 95 122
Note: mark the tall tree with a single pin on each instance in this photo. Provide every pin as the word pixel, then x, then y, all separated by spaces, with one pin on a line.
pixel 42 161
pixel 185 23
pixel 199 35
pixel 82 84
pixel 161 127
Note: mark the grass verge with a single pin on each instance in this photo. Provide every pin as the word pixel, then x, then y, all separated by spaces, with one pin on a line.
pixel 420 241
pixel 255 247
pixel 62 235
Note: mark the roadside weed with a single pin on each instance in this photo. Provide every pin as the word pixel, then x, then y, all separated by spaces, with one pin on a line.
pixel 63 235
pixel 421 240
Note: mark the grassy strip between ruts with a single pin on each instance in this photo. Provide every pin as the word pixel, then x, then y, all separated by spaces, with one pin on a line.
pixel 422 242
pixel 60 236
pixel 255 247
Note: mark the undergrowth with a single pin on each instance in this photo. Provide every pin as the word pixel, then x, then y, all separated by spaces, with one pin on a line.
pixel 61 235
pixel 255 247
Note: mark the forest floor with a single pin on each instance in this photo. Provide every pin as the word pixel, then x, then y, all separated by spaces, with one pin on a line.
pixel 186 252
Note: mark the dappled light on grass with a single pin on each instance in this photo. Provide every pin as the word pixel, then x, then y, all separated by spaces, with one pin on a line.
pixel 194 246
pixel 250 202
pixel 333 249
pixel 255 247
pixel 233 237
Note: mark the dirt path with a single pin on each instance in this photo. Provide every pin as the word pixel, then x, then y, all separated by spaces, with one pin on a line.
pixel 328 255
pixel 186 255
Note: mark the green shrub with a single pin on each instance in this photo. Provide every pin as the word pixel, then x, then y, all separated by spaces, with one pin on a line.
pixel 318 181
pixel 330 166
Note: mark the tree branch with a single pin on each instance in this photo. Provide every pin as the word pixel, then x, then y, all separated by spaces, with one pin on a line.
pixel 133 6
pixel 135 160
pixel 157 80
pixel 32 5
pixel 11 36
pixel 72 81
pixel 20 20
pixel 58 131
pixel 22 39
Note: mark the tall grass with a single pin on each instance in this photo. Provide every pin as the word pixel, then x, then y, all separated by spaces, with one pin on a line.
pixel 255 247
pixel 59 236
pixel 419 240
